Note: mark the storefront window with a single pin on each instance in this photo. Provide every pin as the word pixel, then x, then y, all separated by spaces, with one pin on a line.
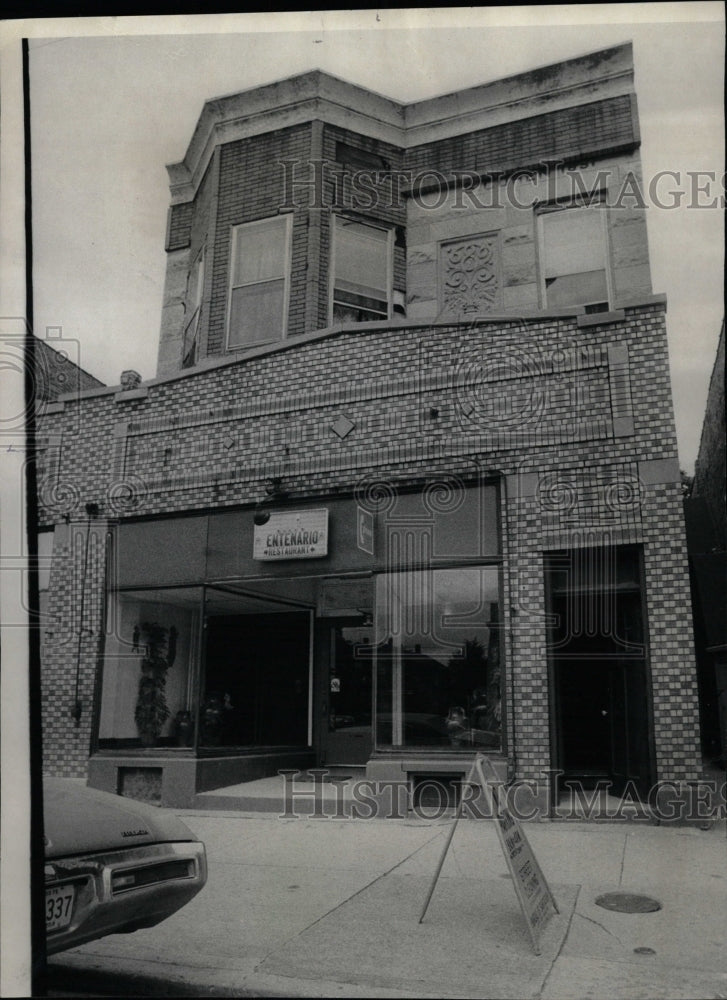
pixel 438 658
pixel 151 650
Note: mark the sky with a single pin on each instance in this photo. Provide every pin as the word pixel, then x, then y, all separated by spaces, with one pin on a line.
pixel 114 100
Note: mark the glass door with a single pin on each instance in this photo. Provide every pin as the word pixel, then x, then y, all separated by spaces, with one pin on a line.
pixel 349 737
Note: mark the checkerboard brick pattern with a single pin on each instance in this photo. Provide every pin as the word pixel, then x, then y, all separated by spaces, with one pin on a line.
pixel 530 399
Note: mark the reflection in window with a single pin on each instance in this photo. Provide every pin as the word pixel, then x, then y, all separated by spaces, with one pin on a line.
pixel 438 658
pixel 596 603
pixel 150 649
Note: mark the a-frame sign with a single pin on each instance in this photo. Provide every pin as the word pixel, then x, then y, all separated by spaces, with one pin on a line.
pixel 533 893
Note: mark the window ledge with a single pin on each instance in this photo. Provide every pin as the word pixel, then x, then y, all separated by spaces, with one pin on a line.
pixel 602 318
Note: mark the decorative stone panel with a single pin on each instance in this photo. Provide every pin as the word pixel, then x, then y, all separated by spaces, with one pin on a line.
pixel 470 275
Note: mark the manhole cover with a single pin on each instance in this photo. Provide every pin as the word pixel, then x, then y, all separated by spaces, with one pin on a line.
pixel 628 902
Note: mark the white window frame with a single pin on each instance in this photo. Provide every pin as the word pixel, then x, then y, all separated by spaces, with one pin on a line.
pixel 546 210
pixel 287 221
pixel 389 230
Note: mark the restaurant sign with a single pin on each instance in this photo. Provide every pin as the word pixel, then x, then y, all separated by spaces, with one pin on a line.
pixel 301 534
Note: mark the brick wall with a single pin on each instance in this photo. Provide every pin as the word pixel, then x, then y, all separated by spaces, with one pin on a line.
pixel 179 226
pixel 582 131
pixel 72 643
pixel 499 219
pixel 245 181
pixel 378 202
pixel 251 187
pixel 55 374
pixel 577 418
pixel 710 472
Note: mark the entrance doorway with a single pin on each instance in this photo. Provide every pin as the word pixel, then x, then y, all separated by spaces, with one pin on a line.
pixel 257 676
pixel 349 737
pixel 597 650
pixel 602 723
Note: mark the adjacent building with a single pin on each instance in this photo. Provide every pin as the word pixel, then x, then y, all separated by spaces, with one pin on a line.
pixel 405 486
pixel 706 518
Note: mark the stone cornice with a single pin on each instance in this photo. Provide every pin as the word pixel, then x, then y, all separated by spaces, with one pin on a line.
pixel 320 96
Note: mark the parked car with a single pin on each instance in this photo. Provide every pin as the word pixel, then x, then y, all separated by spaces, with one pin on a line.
pixel 112 864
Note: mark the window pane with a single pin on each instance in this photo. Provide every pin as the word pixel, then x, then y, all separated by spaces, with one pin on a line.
pixel 361 259
pixel 596 602
pixel 572 241
pixel 438 658
pixel 259 252
pixel 148 661
pixel 257 313
pixel 577 289
pixel 355 314
pixel 196 281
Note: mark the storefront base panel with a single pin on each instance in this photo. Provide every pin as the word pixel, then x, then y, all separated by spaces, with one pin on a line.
pixel 406 777
pixel 218 772
pixel 173 781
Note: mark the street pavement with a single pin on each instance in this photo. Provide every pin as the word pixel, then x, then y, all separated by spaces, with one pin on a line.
pixel 330 908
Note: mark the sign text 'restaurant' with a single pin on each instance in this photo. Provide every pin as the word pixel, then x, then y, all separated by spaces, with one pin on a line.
pixel 301 534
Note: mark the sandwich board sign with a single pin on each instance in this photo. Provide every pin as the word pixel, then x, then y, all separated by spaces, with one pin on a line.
pixel 533 893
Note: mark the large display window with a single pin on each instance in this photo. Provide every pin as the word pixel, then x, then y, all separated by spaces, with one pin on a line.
pixel 438 662
pixel 205 667
pixel 149 667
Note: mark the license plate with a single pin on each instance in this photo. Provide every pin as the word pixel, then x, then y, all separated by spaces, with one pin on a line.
pixel 59 906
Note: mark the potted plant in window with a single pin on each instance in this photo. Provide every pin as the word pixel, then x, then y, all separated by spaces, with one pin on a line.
pixel 159 647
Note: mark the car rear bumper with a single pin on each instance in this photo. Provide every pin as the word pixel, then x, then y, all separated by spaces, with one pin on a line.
pixel 122 890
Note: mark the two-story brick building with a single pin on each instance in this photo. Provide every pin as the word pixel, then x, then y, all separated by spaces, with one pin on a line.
pixel 406 483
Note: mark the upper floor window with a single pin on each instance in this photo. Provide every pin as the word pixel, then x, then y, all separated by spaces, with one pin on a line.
pixel 195 285
pixel 573 257
pixel 260 273
pixel 359 159
pixel 361 287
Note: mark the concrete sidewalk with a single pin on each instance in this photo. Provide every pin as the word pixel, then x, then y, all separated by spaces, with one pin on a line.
pixel 330 908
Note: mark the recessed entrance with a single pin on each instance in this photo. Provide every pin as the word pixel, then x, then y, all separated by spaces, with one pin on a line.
pixel 598 667
pixel 256 680
pixel 257 669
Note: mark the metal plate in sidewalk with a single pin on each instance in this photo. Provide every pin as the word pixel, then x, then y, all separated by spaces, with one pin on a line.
pixel 628 902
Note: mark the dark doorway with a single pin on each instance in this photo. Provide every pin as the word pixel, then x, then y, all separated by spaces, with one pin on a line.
pixel 584 709
pixel 597 651
pixel 256 688
pixel 349 737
